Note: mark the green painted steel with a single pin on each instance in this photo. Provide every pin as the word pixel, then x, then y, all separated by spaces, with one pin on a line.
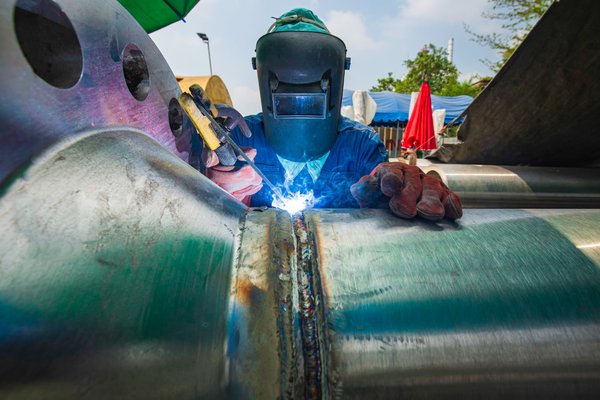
pixel 442 309
pixel 155 14
pixel 116 264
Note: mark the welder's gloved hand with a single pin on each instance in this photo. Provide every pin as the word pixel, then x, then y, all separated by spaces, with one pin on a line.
pixel 407 191
pixel 233 119
pixel 240 180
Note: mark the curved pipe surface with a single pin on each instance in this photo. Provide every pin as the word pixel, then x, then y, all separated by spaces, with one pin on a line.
pixel 493 186
pixel 503 303
pixel 115 268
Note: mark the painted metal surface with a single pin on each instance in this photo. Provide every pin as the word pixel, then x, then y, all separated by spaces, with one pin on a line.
pixel 504 303
pixel 115 268
pixel 493 186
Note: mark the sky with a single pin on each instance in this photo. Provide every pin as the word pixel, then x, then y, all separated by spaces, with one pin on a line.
pixel 379 35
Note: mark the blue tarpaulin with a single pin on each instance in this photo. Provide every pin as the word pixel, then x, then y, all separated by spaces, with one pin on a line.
pixel 393 107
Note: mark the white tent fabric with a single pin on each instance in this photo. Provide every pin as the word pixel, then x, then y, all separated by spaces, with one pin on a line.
pixel 363 107
pixel 438 123
pixel 413 100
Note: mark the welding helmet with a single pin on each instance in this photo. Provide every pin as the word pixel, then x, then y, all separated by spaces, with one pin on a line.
pixel 300 68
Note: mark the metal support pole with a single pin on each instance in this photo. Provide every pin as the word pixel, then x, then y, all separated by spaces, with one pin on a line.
pixel 204 38
pixel 209 61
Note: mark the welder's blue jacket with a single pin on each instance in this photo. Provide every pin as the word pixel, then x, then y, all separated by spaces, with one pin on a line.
pixel 356 151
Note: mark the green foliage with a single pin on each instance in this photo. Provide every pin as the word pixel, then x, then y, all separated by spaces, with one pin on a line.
pixel 518 18
pixel 451 131
pixel 387 84
pixel 432 63
pixel 456 88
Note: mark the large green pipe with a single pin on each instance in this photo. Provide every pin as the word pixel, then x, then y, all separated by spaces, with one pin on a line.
pixel 501 304
pixel 115 268
pixel 124 272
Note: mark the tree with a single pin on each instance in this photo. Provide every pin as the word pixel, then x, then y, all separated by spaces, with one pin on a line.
pixel 385 84
pixel 518 18
pixel 432 63
pixel 457 88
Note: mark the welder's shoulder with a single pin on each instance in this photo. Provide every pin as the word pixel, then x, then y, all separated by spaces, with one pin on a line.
pixel 363 143
pixel 353 131
pixel 255 125
pixel 254 121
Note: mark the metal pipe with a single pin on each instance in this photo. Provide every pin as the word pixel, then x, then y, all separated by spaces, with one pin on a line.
pixel 492 186
pixel 504 303
pixel 124 272
pixel 115 270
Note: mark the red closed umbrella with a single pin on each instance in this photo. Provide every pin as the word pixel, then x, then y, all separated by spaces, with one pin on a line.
pixel 419 130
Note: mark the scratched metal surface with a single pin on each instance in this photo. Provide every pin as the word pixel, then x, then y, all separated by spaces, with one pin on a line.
pixel 493 186
pixel 36 114
pixel 506 303
pixel 115 274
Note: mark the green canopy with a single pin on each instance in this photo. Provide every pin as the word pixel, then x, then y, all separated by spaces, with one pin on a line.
pixel 156 14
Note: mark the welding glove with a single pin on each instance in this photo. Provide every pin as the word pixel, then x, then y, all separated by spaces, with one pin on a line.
pixel 239 180
pixel 407 191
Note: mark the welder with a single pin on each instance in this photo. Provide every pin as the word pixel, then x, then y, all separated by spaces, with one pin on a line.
pixel 302 143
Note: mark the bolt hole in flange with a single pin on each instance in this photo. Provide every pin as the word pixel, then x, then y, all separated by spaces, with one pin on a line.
pixel 135 71
pixel 48 42
pixel 175 117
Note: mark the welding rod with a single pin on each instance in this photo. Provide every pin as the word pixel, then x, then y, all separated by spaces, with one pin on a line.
pixel 211 129
pixel 241 152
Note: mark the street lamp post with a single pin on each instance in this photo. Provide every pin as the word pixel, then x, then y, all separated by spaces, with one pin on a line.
pixel 205 40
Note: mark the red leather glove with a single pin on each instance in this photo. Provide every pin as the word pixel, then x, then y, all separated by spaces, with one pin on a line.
pixel 407 191
pixel 241 182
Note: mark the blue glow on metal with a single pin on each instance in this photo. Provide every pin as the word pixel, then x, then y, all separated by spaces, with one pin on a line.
pixel 295 203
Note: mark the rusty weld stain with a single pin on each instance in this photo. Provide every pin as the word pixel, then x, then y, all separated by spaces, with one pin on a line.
pixel 245 291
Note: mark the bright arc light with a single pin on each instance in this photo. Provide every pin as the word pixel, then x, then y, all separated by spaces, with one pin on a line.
pixel 295 203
